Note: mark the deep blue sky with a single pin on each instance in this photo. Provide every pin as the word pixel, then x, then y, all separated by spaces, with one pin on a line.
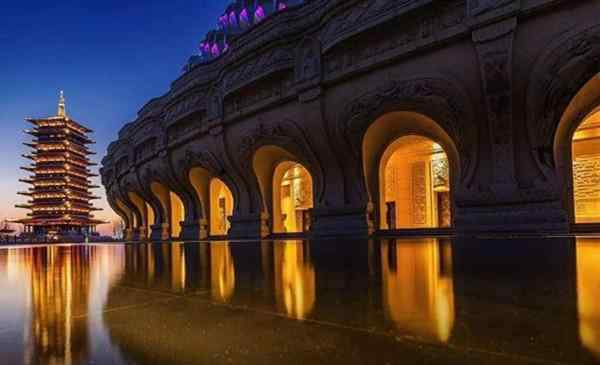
pixel 109 57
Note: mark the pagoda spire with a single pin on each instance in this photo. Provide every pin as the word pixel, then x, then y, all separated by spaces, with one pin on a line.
pixel 61 105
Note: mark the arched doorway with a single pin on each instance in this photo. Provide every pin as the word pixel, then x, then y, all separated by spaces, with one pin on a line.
pixel 287 188
pixel 410 164
pixel 292 198
pixel 221 207
pixel 585 151
pixel 172 205
pixel 414 185
pixel 146 213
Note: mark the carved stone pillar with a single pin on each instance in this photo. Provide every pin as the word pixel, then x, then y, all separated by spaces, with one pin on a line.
pixel 160 232
pixel 194 231
pixel 354 222
pixel 494 44
pixel 254 226
pixel 128 235
pixel 140 234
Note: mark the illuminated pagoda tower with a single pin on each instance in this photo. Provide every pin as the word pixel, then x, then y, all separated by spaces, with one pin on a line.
pixel 60 197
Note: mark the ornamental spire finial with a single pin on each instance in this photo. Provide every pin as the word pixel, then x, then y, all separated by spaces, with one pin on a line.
pixel 61 105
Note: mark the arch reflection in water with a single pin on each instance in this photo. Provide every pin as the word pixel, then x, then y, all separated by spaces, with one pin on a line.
pixel 222 271
pixel 417 286
pixel 588 291
pixel 294 278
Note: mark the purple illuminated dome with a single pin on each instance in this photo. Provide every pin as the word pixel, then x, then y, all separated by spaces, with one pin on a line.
pixel 244 20
pixel 282 6
pixel 259 14
pixel 215 50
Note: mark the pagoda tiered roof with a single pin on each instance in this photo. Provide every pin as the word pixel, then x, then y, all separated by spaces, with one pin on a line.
pixel 60 184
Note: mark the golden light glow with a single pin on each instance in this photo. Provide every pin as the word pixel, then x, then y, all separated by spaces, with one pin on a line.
pixel 414 185
pixel 221 207
pixel 418 293
pixel 586 170
pixel 292 198
pixel 177 214
pixel 222 271
pixel 295 290
pixel 588 292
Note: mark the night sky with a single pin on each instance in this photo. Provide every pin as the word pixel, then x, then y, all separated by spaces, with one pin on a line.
pixel 109 57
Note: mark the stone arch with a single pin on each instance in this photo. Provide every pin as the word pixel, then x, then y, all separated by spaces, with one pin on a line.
pixel 270 163
pixel 584 105
pixel 423 100
pixel 221 206
pixel 378 145
pixel 289 137
pixel 563 90
pixel 171 205
pixel 560 73
pixel 146 213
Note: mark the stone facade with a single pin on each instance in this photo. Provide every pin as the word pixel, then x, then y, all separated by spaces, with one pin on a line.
pixel 500 85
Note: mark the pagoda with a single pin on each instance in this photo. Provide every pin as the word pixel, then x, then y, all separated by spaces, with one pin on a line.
pixel 60 198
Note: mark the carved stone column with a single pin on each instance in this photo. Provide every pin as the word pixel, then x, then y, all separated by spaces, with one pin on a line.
pixel 194 231
pixel 494 44
pixel 160 232
pixel 252 226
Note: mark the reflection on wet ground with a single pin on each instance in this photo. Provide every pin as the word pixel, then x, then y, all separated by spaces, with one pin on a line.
pixel 421 300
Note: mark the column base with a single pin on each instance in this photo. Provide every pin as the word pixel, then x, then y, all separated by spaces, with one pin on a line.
pixel 352 222
pixel 249 227
pixel 128 235
pixel 534 218
pixel 160 232
pixel 194 231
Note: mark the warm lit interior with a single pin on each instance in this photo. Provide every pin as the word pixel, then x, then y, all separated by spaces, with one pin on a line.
pixel 415 189
pixel 222 271
pixel 172 205
pixel 151 218
pixel 292 198
pixel 178 267
pixel 588 292
pixel 177 214
pixel 221 207
pixel 132 221
pixel 142 208
pixel 294 278
pixel 418 292
pixel 586 170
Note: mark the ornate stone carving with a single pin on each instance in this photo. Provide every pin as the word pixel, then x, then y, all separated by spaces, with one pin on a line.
pixel 494 45
pixel 145 149
pixel 250 96
pixel 436 98
pixel 308 62
pixel 440 173
pixel 359 15
pixel 559 75
pixel 411 32
pixel 257 136
pixel 185 127
pixel 419 194
pixel 205 159
pixel 193 102
pixel 275 59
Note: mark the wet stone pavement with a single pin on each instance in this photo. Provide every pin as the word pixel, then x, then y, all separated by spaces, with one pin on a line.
pixel 392 301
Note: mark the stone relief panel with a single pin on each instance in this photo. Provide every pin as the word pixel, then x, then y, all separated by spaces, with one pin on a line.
pixel 440 173
pixel 419 193
pixel 191 103
pixel 400 37
pixel 308 62
pixel 145 149
pixel 437 98
pixel 276 59
pixel 586 173
pixel 494 45
pixel 362 14
pixel 256 95
pixel 557 77
pixel 185 127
